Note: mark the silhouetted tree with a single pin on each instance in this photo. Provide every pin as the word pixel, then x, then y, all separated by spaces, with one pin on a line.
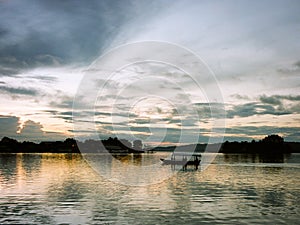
pixel 70 143
pixel 273 138
pixel 272 144
pixel 7 140
pixel 9 145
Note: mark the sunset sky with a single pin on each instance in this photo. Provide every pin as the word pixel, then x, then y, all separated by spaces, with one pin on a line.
pixel 251 47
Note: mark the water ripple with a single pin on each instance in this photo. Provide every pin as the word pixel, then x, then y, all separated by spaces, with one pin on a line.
pixel 59 189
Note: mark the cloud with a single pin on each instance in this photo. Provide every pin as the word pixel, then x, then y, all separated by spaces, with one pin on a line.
pixel 9 126
pixel 293 69
pixel 64 102
pixel 60 32
pixel 210 110
pixel 65 115
pixel 289 97
pixel 4 71
pixel 19 91
pixel 43 78
pixel 240 97
pixel 297 64
pixel 29 130
pixel 253 108
pixel 267 105
pixel 249 132
pixel 12 66
pixel 272 100
pixel 50 34
pixel 293 136
pixel 277 99
pixel 33 131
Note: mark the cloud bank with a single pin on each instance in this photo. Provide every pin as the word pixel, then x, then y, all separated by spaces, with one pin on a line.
pixel 253 50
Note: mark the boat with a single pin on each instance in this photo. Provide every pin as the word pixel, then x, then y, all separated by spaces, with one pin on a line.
pixel 183 159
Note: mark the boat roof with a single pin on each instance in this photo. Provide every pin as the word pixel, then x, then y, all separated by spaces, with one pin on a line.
pixel 186 153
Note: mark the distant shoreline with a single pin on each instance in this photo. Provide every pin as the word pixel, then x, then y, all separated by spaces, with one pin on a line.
pixel 272 144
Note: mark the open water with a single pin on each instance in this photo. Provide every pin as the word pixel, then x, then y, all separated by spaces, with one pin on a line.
pixel 64 189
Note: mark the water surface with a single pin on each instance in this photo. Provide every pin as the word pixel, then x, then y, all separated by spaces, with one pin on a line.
pixel 64 189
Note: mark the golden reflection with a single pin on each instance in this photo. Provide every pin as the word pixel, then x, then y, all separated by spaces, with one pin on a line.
pixel 20 173
pixel 232 169
pixel 66 183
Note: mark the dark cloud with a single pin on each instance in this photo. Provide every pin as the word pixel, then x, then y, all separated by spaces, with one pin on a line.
pixel 38 33
pixel 4 71
pixel 277 100
pixel 95 117
pixel 282 97
pixel 46 79
pixel 297 64
pixel 293 69
pixel 145 130
pixel 293 136
pixel 101 113
pixel 240 97
pixel 248 131
pixel 272 100
pixel 31 130
pixel 9 125
pixel 67 116
pixel 293 105
pixel 19 91
pixel 13 64
pixel 295 108
pixel 289 97
pixel 254 108
pixel 210 110
pixel 68 113
pixel 10 65
pixel 64 102
pixel 271 105
pixel 140 120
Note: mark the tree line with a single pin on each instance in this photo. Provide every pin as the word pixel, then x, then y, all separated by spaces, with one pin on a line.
pixel 268 145
pixel 70 145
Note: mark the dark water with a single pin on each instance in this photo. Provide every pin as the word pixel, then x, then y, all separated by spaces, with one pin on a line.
pixel 64 189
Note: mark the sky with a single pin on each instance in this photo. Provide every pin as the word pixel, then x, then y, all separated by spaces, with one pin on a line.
pixel 251 52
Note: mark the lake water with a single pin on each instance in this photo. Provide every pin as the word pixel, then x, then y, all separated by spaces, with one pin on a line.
pixel 64 189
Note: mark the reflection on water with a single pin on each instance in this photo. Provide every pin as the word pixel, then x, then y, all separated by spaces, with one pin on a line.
pixel 257 158
pixel 63 188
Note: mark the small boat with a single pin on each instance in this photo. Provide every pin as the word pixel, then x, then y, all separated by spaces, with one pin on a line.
pixel 185 159
pixel 179 162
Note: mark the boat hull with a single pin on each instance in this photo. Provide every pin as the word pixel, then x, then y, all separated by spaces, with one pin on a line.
pixel 179 162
